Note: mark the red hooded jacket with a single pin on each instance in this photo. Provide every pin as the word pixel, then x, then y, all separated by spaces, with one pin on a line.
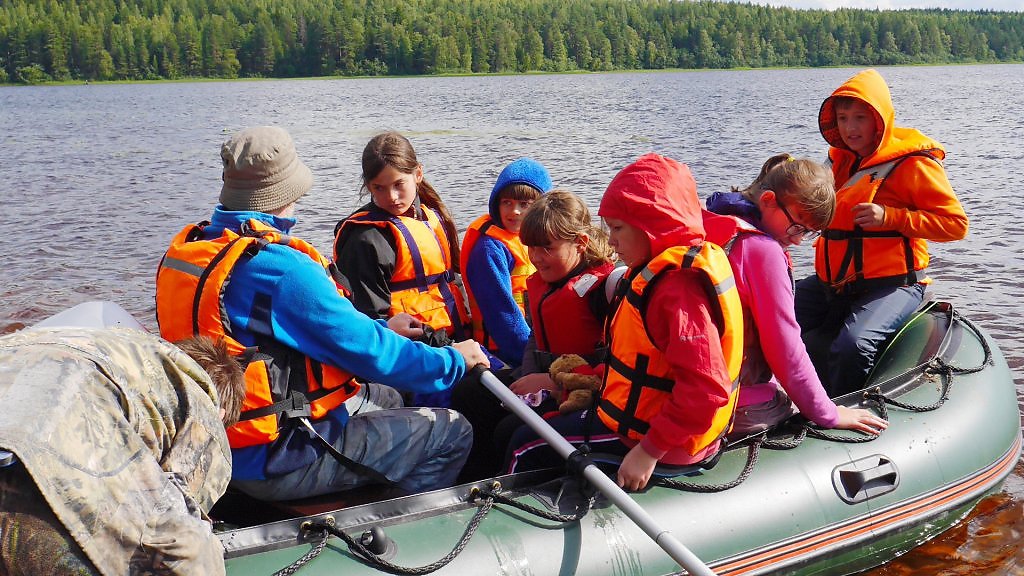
pixel 659 196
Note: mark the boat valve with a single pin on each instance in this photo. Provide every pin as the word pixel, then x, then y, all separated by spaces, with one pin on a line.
pixel 377 542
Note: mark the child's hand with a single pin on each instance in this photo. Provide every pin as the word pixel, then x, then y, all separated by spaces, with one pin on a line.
pixel 861 420
pixel 533 383
pixel 867 215
pixel 636 469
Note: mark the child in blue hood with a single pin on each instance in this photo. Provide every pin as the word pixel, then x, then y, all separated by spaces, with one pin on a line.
pixel 495 263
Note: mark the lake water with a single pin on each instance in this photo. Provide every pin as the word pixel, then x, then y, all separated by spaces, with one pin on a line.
pixel 97 178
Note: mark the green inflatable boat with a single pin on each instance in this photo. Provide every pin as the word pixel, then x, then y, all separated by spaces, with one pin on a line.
pixel 799 501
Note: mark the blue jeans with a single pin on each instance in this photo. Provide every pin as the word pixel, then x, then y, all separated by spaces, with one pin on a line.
pixel 419 449
pixel 844 334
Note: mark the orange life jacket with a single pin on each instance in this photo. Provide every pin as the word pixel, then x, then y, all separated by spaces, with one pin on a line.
pixel 521 270
pixel 850 259
pixel 423 283
pixel 279 381
pixel 638 377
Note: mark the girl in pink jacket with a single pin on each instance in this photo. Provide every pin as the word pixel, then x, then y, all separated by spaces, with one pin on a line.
pixel 788 202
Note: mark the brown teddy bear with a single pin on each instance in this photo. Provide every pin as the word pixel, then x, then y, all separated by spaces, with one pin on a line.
pixel 577 382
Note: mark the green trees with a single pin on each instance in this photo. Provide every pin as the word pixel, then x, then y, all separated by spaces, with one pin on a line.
pixel 43 40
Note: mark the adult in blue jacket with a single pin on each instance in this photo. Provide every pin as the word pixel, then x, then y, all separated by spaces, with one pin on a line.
pixel 278 296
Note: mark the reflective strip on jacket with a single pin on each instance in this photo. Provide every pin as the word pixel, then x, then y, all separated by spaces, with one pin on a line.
pixel 563 320
pixel 423 283
pixel 850 259
pixel 521 270
pixel 638 377
pixel 190 287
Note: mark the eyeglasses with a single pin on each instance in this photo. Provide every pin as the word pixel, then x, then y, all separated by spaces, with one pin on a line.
pixel 796 229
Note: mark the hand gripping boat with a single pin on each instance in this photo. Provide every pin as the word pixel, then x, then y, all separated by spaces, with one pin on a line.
pixel 799 501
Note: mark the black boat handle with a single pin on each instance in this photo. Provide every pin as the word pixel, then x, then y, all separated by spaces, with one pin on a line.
pixel 866 478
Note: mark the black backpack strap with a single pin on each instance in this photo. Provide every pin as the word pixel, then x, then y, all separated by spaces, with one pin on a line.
pixel 358 468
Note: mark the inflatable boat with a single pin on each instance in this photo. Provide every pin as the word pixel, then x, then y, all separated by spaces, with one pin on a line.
pixel 796 501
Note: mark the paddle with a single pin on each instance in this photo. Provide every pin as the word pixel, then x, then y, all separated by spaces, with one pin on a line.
pixel 592 473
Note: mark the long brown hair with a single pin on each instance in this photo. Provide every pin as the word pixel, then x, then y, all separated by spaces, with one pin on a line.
pixel 562 215
pixel 394 150
pixel 753 190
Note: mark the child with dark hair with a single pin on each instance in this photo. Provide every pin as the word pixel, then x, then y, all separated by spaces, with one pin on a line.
pixel 400 251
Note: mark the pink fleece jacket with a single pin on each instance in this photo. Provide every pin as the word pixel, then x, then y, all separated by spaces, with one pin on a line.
pixel 771 336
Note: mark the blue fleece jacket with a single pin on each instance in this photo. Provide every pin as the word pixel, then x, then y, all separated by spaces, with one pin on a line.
pixel 489 266
pixel 489 273
pixel 309 315
pixel 734 204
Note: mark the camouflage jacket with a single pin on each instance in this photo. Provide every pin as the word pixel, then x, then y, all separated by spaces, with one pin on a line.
pixel 122 435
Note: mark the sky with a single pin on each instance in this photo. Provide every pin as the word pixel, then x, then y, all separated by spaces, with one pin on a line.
pixel 1005 5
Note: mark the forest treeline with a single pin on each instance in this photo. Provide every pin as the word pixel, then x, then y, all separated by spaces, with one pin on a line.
pixel 44 40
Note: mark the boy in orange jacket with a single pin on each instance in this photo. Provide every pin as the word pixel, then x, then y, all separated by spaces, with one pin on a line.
pixel 892 196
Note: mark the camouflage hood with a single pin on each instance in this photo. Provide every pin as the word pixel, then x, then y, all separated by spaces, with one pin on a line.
pixel 122 435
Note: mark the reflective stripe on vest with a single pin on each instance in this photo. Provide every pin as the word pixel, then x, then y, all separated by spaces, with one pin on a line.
pixel 522 268
pixel 563 321
pixel 850 259
pixel 638 378
pixel 422 283
pixel 189 296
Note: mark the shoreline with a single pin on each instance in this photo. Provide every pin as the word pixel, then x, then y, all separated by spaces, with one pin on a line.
pixel 200 79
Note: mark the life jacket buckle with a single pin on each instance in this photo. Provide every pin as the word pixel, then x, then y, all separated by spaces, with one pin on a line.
pixel 299 407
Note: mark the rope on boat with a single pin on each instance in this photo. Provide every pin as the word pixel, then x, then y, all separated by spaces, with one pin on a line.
pixel 944 370
pixel 753 452
pixel 313 553
pixel 490 496
pixel 362 553
pixel 564 518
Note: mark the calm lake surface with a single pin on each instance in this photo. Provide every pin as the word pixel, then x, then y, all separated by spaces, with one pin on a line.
pixel 97 178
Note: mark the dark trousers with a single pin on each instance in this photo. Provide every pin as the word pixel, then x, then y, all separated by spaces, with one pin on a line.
pixel 844 334
pixel 527 451
pixel 483 410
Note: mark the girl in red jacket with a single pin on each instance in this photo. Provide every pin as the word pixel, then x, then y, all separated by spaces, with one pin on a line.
pixel 675 333
pixel 567 306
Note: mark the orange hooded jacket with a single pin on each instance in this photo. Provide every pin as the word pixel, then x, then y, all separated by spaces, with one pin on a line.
pixel 904 175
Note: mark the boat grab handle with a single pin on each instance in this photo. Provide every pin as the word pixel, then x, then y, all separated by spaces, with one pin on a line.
pixel 866 478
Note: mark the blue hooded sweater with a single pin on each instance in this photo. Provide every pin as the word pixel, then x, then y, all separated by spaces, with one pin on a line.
pixel 307 313
pixel 489 267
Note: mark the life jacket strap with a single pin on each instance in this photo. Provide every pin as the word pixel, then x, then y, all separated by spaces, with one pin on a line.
pixel 295 405
pixel 423 283
pixel 859 233
pixel 357 467
pixel 867 284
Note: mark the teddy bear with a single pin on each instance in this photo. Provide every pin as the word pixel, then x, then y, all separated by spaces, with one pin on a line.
pixel 577 382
